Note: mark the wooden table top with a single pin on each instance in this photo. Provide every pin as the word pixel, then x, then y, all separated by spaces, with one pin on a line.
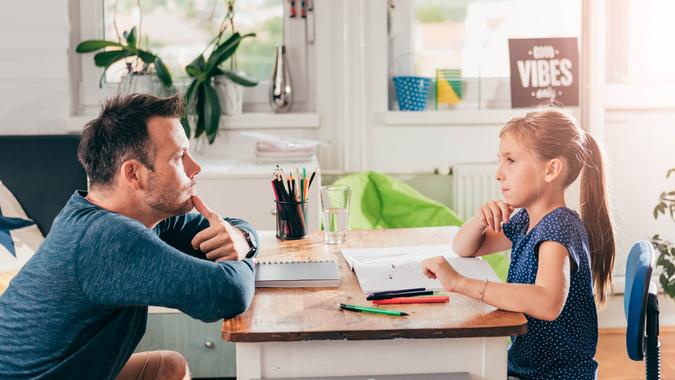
pixel 295 314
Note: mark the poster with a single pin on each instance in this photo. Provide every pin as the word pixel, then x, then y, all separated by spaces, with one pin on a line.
pixel 544 71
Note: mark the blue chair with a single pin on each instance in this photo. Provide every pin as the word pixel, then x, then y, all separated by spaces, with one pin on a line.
pixel 642 308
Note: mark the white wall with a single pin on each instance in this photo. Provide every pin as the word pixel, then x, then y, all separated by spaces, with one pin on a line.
pixel 34 74
pixel 639 147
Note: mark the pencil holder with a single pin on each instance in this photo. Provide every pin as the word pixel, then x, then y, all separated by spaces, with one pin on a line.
pixel 291 220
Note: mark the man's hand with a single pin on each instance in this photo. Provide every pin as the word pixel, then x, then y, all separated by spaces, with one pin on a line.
pixel 219 241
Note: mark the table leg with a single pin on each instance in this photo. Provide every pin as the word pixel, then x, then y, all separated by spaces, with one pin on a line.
pixel 248 361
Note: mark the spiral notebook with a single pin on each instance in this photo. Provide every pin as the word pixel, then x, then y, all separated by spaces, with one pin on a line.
pixel 297 274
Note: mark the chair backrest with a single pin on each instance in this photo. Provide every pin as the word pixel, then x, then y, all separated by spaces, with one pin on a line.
pixel 42 172
pixel 638 283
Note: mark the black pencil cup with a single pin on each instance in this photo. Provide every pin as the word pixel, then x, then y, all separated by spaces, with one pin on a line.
pixel 291 220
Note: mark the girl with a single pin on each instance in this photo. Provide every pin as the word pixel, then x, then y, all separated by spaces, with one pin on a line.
pixel 557 258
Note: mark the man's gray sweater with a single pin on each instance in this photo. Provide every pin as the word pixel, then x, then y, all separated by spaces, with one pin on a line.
pixel 79 307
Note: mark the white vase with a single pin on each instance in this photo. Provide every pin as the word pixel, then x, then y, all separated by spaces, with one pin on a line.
pixel 132 83
pixel 230 95
pixel 281 86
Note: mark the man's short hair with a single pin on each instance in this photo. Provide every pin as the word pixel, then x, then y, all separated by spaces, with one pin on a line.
pixel 120 133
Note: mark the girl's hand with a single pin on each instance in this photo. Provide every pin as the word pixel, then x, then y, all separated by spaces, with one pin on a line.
pixel 439 268
pixel 493 214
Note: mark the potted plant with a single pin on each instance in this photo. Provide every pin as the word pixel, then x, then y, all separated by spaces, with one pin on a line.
pixel 213 87
pixel 666 249
pixel 141 75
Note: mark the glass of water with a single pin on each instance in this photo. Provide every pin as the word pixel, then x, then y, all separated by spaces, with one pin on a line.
pixel 335 210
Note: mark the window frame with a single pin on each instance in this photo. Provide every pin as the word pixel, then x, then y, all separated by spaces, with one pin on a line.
pixel 299 51
pixel 401 17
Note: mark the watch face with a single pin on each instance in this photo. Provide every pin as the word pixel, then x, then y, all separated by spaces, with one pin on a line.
pixel 251 243
pixel 250 240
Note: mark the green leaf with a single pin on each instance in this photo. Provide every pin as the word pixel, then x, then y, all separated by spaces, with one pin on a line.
pixel 107 58
pixel 668 287
pixel 163 73
pixel 662 260
pixel 240 79
pixel 223 52
pixel 146 56
pixel 219 48
pixel 131 37
pixel 196 67
pixel 184 121
pixel 93 45
pixel 192 71
pixel 201 109
pixel 212 113
pixel 189 96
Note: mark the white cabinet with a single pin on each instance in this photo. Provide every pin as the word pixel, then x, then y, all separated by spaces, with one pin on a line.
pixel 243 189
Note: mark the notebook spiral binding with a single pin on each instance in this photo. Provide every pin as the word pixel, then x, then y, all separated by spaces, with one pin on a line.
pixel 295 261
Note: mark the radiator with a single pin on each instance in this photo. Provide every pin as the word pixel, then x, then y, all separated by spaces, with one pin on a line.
pixel 472 185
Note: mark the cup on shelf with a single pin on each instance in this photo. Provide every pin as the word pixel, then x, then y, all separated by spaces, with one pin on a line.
pixel 411 92
pixel 335 210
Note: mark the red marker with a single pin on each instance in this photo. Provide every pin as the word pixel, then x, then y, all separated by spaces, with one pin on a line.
pixel 400 300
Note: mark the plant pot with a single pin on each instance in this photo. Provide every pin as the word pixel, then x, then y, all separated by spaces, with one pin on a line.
pixel 230 95
pixel 133 83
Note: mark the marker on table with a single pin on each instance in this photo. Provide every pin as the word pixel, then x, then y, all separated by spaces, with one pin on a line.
pixel 357 308
pixel 397 291
pixel 407 300
pixel 398 295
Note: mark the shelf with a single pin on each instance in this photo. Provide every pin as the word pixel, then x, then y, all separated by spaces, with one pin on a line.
pixel 455 118
pixel 244 121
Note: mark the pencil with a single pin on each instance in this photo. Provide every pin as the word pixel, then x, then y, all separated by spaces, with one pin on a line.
pixel 357 308
pixel 311 178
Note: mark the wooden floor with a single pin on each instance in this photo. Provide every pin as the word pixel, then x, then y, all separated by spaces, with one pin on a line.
pixel 614 363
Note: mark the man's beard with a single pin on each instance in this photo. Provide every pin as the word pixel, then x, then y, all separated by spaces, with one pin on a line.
pixel 168 200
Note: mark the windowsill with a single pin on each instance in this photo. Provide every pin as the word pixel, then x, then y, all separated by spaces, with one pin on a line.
pixel 455 118
pixel 244 121
pixel 619 284
pixel 449 118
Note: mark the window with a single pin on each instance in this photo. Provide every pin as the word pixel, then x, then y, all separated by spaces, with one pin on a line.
pixel 639 39
pixel 468 41
pixel 179 30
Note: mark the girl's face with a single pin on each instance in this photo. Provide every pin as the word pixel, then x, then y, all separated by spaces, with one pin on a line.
pixel 520 173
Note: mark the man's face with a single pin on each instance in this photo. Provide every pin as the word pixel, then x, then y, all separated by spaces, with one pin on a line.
pixel 171 186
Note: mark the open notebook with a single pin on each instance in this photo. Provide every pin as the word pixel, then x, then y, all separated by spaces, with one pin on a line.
pixel 381 269
pixel 297 273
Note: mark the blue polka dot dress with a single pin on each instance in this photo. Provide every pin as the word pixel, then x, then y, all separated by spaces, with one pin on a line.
pixel 563 348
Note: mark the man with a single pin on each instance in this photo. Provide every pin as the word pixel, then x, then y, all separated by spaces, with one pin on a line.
pixel 79 307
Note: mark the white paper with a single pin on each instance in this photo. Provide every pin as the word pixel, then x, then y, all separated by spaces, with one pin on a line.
pixel 380 269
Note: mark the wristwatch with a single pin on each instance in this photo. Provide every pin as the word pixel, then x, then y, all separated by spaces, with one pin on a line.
pixel 253 247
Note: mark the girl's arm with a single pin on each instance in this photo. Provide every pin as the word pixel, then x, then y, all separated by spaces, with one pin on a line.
pixel 544 300
pixel 483 234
